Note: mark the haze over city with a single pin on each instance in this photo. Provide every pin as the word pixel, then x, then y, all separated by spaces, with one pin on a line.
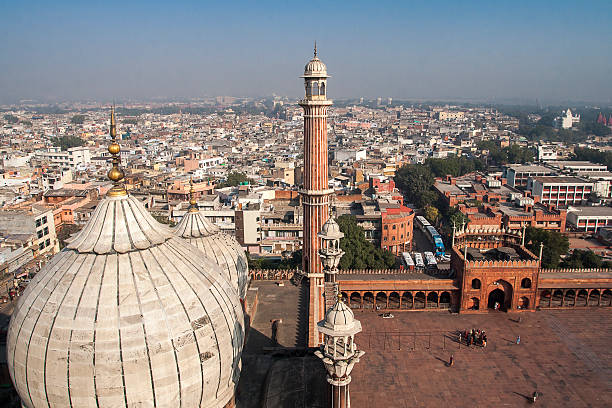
pixel 446 50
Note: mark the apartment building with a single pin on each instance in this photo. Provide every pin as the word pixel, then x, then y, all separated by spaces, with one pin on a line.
pixel 589 219
pixel 517 175
pixel 32 219
pixel 560 190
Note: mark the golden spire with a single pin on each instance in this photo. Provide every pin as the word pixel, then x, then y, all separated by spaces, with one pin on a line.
pixel 315 50
pixel 115 174
pixel 193 204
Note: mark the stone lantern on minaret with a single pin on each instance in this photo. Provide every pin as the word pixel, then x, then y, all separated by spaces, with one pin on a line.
pixel 339 351
pixel 330 254
pixel 315 192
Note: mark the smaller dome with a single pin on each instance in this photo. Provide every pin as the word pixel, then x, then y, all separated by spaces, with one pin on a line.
pixel 339 321
pixel 339 315
pixel 315 68
pixel 330 230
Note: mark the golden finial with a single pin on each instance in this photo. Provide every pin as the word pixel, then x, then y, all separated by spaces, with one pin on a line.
pixel 315 49
pixel 115 174
pixel 193 204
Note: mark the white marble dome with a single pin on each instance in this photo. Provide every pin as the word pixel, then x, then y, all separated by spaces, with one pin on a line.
pixel 126 315
pixel 218 246
pixel 331 230
pixel 315 68
pixel 339 320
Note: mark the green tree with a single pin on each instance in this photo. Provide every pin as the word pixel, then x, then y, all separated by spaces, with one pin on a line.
pixel 234 179
pixel 555 245
pixel 416 181
pixel 66 142
pixel 77 119
pixel 359 252
pixel 12 119
pixel 584 259
pixel 431 213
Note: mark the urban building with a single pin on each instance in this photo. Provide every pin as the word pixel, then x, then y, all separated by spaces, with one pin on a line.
pixel 560 190
pixel 589 218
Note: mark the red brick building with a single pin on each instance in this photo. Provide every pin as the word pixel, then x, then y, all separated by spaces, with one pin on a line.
pixel 397 228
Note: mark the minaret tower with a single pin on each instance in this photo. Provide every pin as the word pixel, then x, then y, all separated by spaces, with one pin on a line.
pixel 315 194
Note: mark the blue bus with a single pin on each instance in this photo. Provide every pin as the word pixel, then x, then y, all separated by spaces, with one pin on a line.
pixel 436 240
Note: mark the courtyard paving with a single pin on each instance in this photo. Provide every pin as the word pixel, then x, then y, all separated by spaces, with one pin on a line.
pixel 565 355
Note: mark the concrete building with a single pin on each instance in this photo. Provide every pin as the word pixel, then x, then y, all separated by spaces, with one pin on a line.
pixel 73 158
pixel 560 190
pixel 517 175
pixel 33 219
pixel 589 219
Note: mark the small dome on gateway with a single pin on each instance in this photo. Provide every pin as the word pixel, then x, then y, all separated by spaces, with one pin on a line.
pixel 218 246
pixel 126 315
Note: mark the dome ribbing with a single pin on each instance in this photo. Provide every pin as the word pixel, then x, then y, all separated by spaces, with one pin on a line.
pixel 218 246
pixel 126 315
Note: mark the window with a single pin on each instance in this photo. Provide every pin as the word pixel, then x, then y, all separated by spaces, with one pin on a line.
pixel 40 234
pixel 47 242
pixel 526 283
pixel 395 227
pixel 38 222
pixel 386 227
pixel 41 246
pixel 392 238
pixel 46 231
pixel 475 283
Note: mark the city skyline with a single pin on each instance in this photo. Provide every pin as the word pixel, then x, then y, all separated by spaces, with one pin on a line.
pixel 553 52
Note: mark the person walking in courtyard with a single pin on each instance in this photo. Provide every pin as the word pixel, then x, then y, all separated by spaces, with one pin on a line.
pixel 518 339
pixel 451 362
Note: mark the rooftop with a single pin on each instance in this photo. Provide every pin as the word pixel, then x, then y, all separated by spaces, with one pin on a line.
pixel 590 211
pixel 560 180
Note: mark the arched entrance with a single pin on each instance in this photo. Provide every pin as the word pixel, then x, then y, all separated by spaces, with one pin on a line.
pixel 496 296
pixel 500 292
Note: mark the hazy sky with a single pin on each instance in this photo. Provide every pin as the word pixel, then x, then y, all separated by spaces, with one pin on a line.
pixel 63 50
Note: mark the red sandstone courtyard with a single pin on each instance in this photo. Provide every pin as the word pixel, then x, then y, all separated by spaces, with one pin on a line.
pixel 566 355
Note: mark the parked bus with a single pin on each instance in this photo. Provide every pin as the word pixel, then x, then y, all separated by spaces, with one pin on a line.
pixel 422 223
pixel 430 259
pixel 418 260
pixel 408 260
pixel 436 240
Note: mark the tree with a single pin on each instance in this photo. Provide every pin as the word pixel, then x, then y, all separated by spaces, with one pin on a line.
pixel 555 245
pixel 431 213
pixel 584 259
pixel 416 181
pixel 359 252
pixel 77 119
pixel 234 179
pixel 66 142
pixel 12 119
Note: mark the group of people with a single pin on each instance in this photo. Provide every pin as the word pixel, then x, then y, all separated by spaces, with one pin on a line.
pixel 473 336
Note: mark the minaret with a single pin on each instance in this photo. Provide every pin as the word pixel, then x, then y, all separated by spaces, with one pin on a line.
pixel 315 193
pixel 339 352
pixel 330 254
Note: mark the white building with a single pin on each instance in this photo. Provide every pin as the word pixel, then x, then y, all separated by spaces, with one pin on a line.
pixel 547 153
pixel 566 120
pixel 72 158
pixel 589 219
